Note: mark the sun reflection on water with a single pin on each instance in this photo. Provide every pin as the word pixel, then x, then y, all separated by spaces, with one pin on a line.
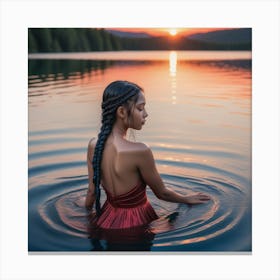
pixel 172 74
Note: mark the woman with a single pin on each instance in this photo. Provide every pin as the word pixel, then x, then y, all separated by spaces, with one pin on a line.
pixel 124 168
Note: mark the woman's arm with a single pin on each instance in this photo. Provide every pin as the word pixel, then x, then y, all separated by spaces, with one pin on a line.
pixel 147 168
pixel 90 198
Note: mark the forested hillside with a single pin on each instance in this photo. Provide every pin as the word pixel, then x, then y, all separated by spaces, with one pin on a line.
pixel 41 40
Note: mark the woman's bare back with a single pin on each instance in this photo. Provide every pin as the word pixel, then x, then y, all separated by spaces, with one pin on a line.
pixel 119 172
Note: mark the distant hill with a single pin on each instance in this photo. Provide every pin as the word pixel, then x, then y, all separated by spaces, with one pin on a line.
pixel 44 40
pixel 233 36
pixel 124 34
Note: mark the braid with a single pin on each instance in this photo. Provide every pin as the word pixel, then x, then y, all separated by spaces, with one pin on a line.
pixel 115 95
pixel 102 137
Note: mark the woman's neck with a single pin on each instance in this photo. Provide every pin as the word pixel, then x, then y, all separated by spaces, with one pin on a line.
pixel 119 131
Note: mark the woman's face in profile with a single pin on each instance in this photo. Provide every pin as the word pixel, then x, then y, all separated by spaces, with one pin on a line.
pixel 138 113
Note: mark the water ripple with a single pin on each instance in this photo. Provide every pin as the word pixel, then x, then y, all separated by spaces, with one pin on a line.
pixel 61 208
pixel 57 207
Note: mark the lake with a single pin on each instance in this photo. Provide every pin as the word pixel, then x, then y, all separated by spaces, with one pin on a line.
pixel 199 129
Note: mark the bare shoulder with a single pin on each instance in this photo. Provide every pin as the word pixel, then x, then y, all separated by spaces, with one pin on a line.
pixel 92 143
pixel 136 146
pixel 142 150
pixel 141 146
pixel 91 147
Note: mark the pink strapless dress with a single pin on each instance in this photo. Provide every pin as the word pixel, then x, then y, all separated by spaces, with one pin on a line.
pixel 128 210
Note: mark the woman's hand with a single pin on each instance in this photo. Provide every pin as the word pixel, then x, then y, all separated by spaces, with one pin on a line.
pixel 90 199
pixel 197 198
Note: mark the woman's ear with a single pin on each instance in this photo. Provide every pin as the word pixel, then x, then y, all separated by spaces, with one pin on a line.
pixel 121 112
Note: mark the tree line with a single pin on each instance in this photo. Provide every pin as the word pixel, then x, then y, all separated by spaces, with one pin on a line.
pixel 71 40
pixel 94 39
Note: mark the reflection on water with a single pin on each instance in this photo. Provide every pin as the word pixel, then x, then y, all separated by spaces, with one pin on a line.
pixel 130 239
pixel 172 74
pixel 172 63
pixel 199 128
pixel 63 69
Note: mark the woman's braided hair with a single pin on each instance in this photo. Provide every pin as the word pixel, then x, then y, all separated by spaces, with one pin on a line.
pixel 118 93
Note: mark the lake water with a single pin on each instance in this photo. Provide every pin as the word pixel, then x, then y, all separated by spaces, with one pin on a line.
pixel 199 129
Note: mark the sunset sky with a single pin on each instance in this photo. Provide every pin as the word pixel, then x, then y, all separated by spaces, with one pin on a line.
pixel 172 31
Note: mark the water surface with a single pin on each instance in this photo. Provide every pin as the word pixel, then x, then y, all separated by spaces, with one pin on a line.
pixel 199 129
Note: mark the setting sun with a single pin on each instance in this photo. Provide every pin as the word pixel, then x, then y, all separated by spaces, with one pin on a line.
pixel 172 32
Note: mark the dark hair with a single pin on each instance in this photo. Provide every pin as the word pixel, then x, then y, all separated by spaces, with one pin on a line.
pixel 118 93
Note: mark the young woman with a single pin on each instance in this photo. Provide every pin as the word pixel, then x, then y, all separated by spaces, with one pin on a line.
pixel 124 168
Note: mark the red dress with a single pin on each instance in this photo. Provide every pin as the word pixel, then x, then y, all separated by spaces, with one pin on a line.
pixel 128 210
pixel 125 219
